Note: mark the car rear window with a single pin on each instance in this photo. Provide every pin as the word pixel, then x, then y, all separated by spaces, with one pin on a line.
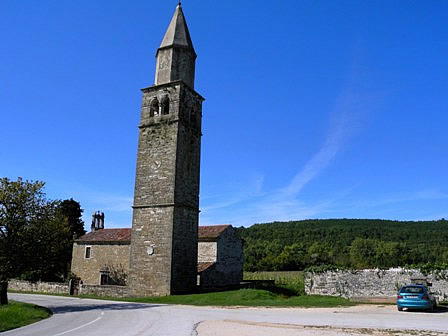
pixel 411 289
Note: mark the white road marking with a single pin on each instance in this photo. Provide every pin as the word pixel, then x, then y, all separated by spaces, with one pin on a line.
pixel 82 326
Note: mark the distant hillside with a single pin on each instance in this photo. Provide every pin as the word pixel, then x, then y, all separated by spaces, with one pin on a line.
pixel 349 243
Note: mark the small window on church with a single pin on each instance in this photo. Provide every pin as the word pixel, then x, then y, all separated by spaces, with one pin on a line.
pixel 88 252
pixel 154 107
pixel 104 278
pixel 165 105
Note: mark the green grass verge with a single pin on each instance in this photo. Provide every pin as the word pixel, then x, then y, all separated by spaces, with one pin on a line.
pixel 18 314
pixel 242 297
pixel 292 281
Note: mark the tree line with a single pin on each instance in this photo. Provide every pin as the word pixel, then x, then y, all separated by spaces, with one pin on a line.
pixel 344 243
pixel 36 234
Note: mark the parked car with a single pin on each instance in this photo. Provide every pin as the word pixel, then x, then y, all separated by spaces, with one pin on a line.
pixel 415 297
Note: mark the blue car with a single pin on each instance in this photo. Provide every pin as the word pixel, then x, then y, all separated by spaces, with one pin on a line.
pixel 415 297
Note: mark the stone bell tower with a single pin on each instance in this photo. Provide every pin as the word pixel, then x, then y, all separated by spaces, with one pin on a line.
pixel 164 239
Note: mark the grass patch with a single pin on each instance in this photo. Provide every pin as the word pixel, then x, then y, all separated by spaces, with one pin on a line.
pixel 242 297
pixel 292 281
pixel 18 314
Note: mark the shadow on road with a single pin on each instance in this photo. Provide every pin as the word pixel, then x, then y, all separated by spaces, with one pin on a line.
pixel 70 308
pixel 441 309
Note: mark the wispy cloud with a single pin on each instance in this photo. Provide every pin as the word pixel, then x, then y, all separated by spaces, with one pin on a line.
pixel 253 189
pixel 341 127
pixel 284 203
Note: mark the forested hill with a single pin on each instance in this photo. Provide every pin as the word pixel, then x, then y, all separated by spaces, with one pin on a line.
pixel 348 243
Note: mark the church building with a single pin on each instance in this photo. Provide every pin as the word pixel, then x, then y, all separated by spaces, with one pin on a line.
pixel 101 257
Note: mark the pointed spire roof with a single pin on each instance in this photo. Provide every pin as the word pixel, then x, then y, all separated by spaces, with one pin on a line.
pixel 177 33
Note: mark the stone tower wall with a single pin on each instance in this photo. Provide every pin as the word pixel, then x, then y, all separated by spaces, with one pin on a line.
pixel 150 274
pixel 156 157
pixel 185 250
pixel 174 64
pixel 165 220
pixel 166 198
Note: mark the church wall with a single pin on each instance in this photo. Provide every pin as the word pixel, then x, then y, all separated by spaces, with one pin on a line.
pixel 207 251
pixel 230 256
pixel 111 257
pixel 227 252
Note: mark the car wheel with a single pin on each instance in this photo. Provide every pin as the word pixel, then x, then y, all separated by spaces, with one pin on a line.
pixel 433 307
pixel 399 308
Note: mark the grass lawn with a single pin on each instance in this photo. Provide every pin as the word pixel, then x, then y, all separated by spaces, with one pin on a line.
pixel 292 281
pixel 243 297
pixel 17 314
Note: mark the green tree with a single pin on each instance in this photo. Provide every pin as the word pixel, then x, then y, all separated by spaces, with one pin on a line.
pixel 52 245
pixel 293 258
pixel 73 212
pixel 21 204
pixel 36 234
pixel 363 252
pixel 319 253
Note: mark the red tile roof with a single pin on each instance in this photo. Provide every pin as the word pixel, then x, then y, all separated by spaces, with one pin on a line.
pixel 107 235
pixel 124 235
pixel 202 266
pixel 211 232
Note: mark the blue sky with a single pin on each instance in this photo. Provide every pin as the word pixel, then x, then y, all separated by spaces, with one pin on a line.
pixel 314 109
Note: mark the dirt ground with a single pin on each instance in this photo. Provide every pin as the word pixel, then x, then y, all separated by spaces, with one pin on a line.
pixel 239 328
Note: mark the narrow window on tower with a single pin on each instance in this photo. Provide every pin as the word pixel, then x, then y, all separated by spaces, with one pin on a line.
pixel 165 105
pixel 88 252
pixel 154 108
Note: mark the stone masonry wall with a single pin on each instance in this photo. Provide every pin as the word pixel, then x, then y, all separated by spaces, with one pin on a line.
pixel 230 256
pixel 63 288
pixel 38 287
pixel 371 282
pixel 163 255
pixel 112 257
pixel 227 252
pixel 110 291
pixel 207 251
pixel 185 250
pixel 151 246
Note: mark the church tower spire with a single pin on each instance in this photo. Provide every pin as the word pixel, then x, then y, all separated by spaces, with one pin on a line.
pixel 164 242
pixel 176 56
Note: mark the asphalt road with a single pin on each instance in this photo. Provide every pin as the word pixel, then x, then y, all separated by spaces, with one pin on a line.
pixel 74 316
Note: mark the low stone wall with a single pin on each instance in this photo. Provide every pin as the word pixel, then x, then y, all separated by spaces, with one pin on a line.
pixel 39 287
pixel 371 283
pixel 63 288
pixel 111 291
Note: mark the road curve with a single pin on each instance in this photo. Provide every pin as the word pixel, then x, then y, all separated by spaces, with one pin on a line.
pixel 73 316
